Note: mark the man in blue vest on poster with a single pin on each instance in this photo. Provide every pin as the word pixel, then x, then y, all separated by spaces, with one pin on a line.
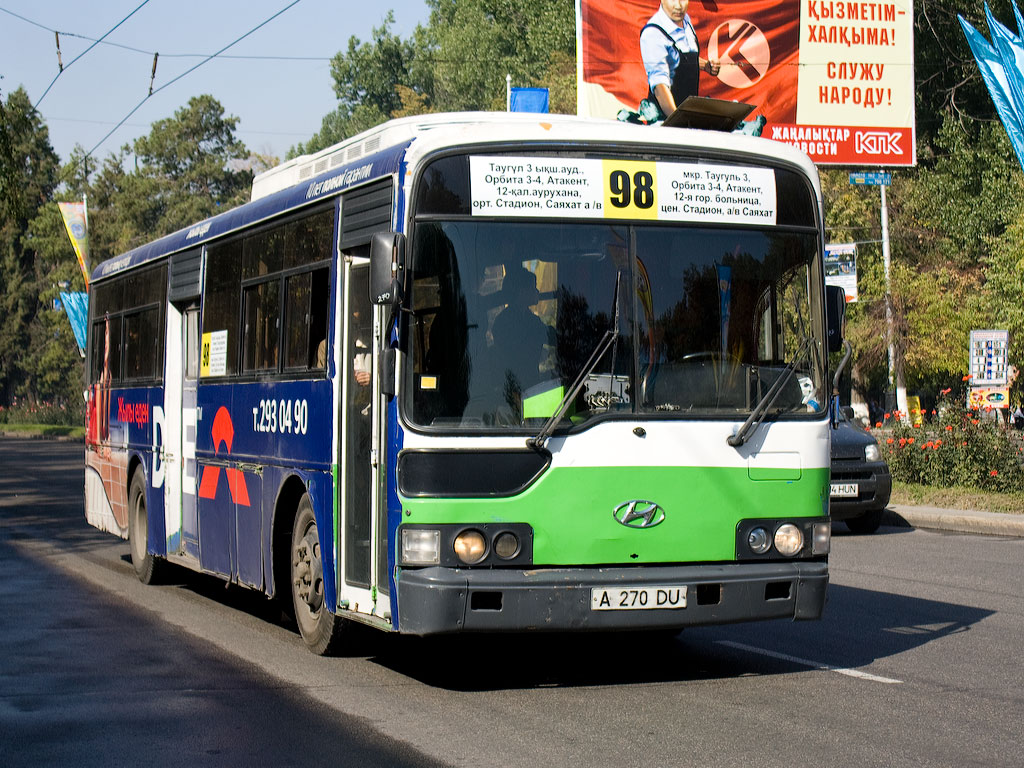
pixel 671 56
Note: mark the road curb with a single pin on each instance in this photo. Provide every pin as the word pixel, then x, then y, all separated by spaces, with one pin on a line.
pixel 954 520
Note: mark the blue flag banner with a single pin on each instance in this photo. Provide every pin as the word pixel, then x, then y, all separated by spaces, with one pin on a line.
pixel 1011 51
pixel 529 99
pixel 1000 68
pixel 77 307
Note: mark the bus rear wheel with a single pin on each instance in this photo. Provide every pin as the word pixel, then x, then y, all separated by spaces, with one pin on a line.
pixel 321 630
pixel 148 567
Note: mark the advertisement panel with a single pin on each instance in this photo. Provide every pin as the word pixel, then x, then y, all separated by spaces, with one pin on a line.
pixel 841 268
pixel 835 79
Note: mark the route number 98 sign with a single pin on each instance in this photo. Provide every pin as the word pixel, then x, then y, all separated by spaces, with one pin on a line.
pixel 555 187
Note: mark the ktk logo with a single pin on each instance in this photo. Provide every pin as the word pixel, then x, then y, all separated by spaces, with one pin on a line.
pixel 743 51
pixel 224 432
pixel 878 143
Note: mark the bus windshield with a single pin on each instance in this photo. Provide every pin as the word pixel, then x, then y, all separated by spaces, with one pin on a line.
pixel 505 316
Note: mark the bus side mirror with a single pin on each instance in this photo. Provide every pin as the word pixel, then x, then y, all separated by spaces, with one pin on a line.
pixel 835 314
pixel 387 260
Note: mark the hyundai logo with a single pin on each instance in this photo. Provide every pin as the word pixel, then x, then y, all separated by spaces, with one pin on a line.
pixel 639 514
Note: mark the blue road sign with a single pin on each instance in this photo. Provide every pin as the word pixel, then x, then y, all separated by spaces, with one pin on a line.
pixel 871 179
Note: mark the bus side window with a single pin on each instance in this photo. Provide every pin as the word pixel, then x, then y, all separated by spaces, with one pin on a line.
pixel 306 320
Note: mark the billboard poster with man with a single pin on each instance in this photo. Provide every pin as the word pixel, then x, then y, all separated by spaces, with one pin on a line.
pixel 835 79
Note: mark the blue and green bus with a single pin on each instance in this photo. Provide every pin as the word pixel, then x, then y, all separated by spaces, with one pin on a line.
pixel 481 372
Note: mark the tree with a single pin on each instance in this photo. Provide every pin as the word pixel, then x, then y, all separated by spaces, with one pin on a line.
pixel 28 176
pixel 367 79
pixel 477 42
pixel 190 161
pixel 458 61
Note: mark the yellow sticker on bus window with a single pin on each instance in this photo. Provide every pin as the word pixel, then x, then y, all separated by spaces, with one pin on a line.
pixel 630 189
pixel 213 354
pixel 204 355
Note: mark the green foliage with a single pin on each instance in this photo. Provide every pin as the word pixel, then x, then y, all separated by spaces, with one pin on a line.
pixel 21 413
pixel 458 61
pixel 475 43
pixel 28 175
pixel 186 169
pixel 962 449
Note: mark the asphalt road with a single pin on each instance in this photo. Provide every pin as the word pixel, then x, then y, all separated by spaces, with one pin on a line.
pixel 917 662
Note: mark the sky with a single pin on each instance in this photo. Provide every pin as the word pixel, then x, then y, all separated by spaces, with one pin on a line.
pixel 279 85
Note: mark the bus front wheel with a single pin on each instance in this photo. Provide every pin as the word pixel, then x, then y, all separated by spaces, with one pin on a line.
pixel 147 566
pixel 320 629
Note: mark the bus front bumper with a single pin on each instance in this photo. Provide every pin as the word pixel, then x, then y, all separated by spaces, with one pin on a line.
pixel 444 600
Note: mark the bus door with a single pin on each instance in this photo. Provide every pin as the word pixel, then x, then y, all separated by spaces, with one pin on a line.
pixel 357 426
pixel 178 453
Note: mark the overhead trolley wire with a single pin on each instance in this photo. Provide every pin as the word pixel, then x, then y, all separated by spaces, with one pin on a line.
pixel 186 72
pixel 97 42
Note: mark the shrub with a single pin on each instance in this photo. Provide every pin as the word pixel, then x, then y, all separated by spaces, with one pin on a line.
pixel 960 448
pixel 60 414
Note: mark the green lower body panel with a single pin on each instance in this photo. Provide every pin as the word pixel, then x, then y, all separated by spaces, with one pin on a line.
pixel 572 511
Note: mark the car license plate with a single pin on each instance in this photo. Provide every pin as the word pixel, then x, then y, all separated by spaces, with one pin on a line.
pixel 637 598
pixel 843 490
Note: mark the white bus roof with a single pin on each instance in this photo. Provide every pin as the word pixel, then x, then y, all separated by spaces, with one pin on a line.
pixel 482 127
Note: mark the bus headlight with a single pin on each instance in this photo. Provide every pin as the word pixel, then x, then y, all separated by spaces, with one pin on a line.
pixel 421 546
pixel 470 546
pixel 506 545
pixel 758 541
pixel 788 539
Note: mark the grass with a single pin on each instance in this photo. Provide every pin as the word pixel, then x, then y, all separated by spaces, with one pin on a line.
pixel 957 498
pixel 42 430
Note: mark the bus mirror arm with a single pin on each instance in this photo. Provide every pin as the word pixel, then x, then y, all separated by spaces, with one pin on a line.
pixel 834 410
pixel 388 358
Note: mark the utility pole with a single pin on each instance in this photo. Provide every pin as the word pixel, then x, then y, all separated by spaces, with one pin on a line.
pixel 895 371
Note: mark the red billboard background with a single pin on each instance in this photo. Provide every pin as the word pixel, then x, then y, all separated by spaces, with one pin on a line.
pixel 759 46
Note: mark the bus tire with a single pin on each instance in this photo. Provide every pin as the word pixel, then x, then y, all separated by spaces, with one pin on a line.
pixel 321 630
pixel 148 567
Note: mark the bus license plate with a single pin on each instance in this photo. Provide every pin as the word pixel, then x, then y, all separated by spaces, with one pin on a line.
pixel 637 598
pixel 843 490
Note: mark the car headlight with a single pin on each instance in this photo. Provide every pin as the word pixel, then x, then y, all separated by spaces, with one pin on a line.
pixel 871 452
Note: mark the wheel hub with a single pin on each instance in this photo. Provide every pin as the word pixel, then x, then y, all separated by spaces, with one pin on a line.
pixel 308 571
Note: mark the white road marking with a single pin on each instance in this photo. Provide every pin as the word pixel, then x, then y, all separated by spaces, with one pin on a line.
pixel 808 663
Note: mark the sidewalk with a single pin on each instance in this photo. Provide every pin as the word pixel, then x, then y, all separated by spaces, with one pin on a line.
pixel 955 520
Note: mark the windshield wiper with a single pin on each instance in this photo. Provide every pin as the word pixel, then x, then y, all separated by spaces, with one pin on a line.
pixel 537 442
pixel 757 415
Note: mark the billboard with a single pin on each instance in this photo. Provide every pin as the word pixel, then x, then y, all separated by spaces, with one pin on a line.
pixel 835 79
pixel 841 268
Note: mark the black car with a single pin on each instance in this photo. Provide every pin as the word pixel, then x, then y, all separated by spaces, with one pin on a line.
pixel 861 482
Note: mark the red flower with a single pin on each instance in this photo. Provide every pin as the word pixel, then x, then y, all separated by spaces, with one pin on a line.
pixel 903 441
pixel 993 473
pixel 878 425
pixel 966 378
pixel 889 441
pixel 910 441
pixel 949 427
pixel 887 415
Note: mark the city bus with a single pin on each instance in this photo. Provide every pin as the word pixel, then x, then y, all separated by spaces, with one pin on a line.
pixel 481 372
